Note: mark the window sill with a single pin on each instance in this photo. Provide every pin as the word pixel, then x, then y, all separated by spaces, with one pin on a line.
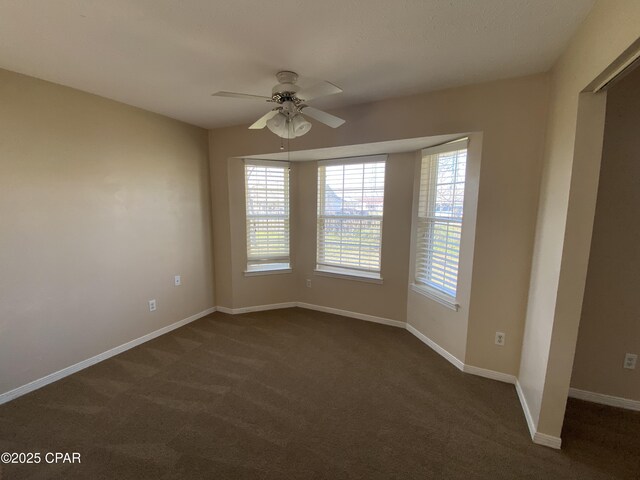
pixel 349 275
pixel 272 271
pixel 436 296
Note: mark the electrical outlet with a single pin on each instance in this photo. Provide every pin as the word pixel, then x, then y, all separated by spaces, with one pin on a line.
pixel 630 360
pixel 177 280
pixel 152 305
pixel 500 338
pixel 308 283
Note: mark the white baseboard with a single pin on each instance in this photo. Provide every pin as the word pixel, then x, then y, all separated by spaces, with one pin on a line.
pixel 492 374
pixel 346 313
pixel 547 440
pixel 525 408
pixel 537 437
pixel 256 308
pixel 455 361
pixel 41 382
pixel 603 399
pixel 459 364
pixel 319 308
pixel 482 372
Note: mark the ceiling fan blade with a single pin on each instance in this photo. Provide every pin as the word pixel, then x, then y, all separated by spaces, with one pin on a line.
pixel 246 96
pixel 321 89
pixel 262 121
pixel 324 117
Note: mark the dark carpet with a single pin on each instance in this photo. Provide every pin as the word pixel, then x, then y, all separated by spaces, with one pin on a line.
pixel 296 394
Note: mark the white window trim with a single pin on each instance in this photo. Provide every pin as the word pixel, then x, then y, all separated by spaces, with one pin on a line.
pixel 416 286
pixel 348 274
pixel 249 272
pixel 436 295
pixel 352 160
pixel 338 271
pixel 269 271
pixel 452 146
pixel 267 163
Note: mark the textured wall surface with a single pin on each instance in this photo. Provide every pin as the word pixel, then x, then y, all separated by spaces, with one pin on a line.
pixel 101 204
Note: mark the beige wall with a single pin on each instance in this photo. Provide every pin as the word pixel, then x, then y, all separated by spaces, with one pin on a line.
pixel 609 325
pixel 388 300
pixel 100 205
pixel 566 209
pixel 510 114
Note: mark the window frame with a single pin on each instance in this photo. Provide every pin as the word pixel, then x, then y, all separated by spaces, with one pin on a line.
pixel 343 271
pixel 417 284
pixel 271 264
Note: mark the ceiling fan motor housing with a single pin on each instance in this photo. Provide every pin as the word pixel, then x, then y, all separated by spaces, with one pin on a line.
pixel 286 89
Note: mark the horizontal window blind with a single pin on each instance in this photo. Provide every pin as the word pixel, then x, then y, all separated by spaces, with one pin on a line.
pixel 439 222
pixel 350 205
pixel 267 201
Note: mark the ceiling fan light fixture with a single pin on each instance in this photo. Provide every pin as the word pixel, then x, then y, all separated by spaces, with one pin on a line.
pixel 277 123
pixel 300 125
pixel 281 126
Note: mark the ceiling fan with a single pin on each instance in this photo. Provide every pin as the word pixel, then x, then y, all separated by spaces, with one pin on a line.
pixel 286 120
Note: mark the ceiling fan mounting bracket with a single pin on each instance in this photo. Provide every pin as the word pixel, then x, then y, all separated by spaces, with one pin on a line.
pixel 286 90
pixel 287 76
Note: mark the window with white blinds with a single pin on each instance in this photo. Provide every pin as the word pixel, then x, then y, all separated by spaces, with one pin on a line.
pixel 439 222
pixel 267 200
pixel 350 205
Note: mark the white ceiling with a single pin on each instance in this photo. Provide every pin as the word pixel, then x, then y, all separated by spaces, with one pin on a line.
pixel 168 56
